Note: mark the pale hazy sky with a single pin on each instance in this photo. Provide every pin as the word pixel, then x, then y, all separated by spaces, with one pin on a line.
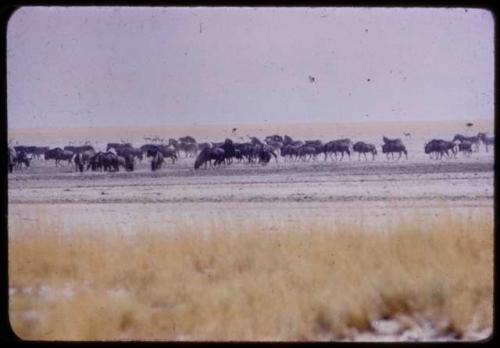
pixel 80 67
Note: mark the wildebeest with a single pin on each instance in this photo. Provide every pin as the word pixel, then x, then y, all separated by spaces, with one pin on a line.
pixel 106 161
pixel 76 149
pixel 440 147
pixel 58 154
pixel 187 139
pixel 208 155
pixel 487 141
pixel 465 147
pixel 166 152
pixel 392 147
pixel 125 151
pixel 116 146
pixel 190 149
pixel 306 152
pixel 157 159
pixel 341 146
pixel 274 137
pixel 363 148
pixel 474 140
pixel 289 152
pixel 78 160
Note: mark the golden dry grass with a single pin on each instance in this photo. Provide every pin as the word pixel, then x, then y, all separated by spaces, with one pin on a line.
pixel 300 282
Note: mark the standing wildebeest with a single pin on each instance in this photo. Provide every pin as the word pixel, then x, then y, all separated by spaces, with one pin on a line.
pixel 157 158
pixel 473 140
pixel 38 151
pixel 187 139
pixel 167 152
pixel 392 147
pixel 78 160
pixel 364 148
pixel 486 140
pixel 58 154
pixel 125 151
pixel 190 149
pixel 465 147
pixel 207 155
pixel 440 147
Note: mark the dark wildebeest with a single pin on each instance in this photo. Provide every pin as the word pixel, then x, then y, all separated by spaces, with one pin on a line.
pixel 263 153
pixel 207 155
pixel 76 149
pixel 473 140
pixel 59 154
pixel 117 146
pixel 275 138
pixel 107 161
pixel 125 151
pixel 392 147
pixel 38 151
pixel 168 152
pixel 78 160
pixel 341 146
pixel 290 152
pixel 465 147
pixel 202 146
pixel 157 158
pixel 189 149
pixel 487 141
pixel 187 139
pixel 440 147
pixel 276 145
pixel 22 158
pixel 306 152
pixel 363 148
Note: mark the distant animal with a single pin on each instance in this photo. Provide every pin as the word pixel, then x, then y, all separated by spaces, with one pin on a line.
pixel 487 141
pixel 407 134
pixel 78 160
pixel 187 139
pixel 342 146
pixel 364 148
pixel 440 147
pixel 394 147
pixel 207 155
pixel 465 147
pixel 474 140
pixel 58 155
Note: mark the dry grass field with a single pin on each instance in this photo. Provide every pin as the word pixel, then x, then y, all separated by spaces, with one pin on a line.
pixel 350 250
pixel 299 282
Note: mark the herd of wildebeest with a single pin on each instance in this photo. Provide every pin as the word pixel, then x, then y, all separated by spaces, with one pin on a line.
pixel 215 154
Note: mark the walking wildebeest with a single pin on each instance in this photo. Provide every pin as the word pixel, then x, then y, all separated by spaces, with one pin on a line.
pixel 336 146
pixel 486 140
pixel 363 148
pixel 440 147
pixel 392 147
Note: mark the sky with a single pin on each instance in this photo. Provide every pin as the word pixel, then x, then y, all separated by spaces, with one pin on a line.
pixel 124 66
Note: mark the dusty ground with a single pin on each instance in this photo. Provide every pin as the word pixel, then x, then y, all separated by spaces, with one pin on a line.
pixel 275 194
